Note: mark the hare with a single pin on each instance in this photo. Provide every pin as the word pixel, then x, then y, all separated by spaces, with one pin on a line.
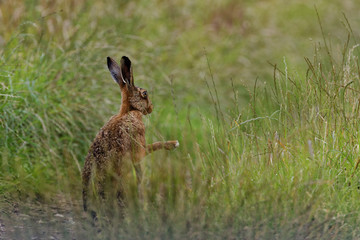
pixel 122 139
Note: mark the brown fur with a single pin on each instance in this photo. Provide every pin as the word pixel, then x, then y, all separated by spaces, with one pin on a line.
pixel 122 138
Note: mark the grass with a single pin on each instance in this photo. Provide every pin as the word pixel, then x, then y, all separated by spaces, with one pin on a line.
pixel 267 150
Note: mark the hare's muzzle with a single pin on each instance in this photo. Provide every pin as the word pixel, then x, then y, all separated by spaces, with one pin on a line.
pixel 150 109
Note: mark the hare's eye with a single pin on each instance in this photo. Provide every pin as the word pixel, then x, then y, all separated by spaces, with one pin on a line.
pixel 144 94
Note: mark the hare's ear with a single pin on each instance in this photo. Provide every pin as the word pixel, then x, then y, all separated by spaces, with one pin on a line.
pixel 115 71
pixel 126 70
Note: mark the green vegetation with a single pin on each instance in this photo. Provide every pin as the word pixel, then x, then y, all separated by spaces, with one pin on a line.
pixel 263 97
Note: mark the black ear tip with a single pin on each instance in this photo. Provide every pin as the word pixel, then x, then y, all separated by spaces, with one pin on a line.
pixel 108 59
pixel 126 60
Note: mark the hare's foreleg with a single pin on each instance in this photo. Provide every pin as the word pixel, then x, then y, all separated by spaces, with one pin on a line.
pixel 138 172
pixel 168 145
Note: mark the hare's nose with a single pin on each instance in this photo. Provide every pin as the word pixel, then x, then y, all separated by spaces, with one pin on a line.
pixel 150 108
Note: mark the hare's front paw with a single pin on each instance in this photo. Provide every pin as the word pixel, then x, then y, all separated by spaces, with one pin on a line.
pixel 172 144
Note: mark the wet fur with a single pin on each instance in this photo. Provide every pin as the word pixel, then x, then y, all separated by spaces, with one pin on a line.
pixel 122 138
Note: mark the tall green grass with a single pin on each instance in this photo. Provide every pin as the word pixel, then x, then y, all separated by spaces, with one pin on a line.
pixel 266 150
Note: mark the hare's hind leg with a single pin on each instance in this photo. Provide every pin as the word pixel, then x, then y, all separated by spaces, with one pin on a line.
pixel 86 176
pixel 117 185
pixel 100 184
pixel 120 196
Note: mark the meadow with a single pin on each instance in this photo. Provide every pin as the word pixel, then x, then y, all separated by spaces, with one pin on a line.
pixel 263 97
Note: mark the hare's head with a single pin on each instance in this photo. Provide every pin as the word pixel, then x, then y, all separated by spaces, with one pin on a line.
pixel 133 98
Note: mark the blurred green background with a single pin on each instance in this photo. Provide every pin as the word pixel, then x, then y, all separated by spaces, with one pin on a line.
pixel 262 96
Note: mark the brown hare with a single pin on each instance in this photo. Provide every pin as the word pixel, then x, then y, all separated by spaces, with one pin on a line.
pixel 122 139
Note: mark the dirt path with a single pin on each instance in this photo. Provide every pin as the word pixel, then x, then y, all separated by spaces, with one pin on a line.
pixel 62 219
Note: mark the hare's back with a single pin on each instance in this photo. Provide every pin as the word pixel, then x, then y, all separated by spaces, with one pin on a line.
pixel 119 136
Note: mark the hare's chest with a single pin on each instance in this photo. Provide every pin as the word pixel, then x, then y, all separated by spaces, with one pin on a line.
pixel 122 135
pixel 133 135
pixel 132 131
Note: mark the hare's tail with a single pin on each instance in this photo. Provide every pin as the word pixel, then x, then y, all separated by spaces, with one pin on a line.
pixel 86 176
